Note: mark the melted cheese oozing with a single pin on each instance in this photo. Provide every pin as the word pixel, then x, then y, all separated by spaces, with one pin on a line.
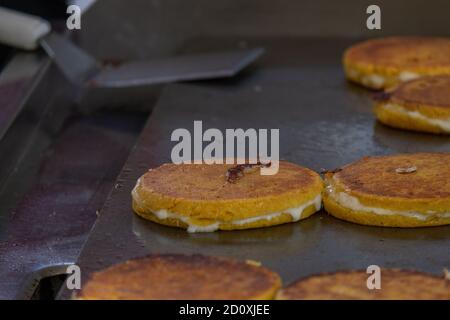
pixel 377 80
pixel 373 80
pixel 295 213
pixel 407 75
pixel 352 203
pixel 444 124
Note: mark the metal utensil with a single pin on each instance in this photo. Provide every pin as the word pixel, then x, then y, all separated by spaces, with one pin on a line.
pixel 29 32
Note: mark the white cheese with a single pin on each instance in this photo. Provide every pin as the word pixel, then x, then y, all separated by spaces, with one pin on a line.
pixel 296 214
pixel 373 80
pixel 352 203
pixel 444 124
pixel 407 75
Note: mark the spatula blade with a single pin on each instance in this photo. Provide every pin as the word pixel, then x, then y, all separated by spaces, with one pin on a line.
pixel 178 68
pixel 76 65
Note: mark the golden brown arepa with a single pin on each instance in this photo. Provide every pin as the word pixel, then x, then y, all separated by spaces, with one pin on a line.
pixel 352 285
pixel 200 197
pixel 181 277
pixel 420 105
pixel 385 62
pixel 404 190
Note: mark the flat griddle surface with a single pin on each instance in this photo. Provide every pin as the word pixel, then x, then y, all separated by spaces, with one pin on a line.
pixel 324 122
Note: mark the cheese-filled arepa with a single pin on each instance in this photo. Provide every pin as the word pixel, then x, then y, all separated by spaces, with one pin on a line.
pixel 352 285
pixel 210 197
pixel 404 190
pixel 385 62
pixel 420 105
pixel 181 277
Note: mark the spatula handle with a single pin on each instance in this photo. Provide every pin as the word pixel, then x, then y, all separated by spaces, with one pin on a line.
pixel 22 30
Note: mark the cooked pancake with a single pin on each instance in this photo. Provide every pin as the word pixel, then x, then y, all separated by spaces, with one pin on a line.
pixel 181 277
pixel 405 190
pixel 385 62
pixel 352 285
pixel 200 197
pixel 421 105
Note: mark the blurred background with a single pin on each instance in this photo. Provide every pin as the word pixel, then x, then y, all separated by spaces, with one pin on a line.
pixel 142 28
pixel 60 157
pixel 49 9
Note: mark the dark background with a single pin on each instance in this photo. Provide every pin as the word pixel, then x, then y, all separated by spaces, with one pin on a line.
pixel 167 24
pixel 58 166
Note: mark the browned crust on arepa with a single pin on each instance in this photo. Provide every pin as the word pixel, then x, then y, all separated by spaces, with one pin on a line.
pixel 176 276
pixel 395 284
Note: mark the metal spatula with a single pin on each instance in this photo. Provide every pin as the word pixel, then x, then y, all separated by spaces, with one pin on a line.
pixel 29 32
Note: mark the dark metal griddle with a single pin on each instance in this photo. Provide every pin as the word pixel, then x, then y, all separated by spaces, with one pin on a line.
pixel 324 122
